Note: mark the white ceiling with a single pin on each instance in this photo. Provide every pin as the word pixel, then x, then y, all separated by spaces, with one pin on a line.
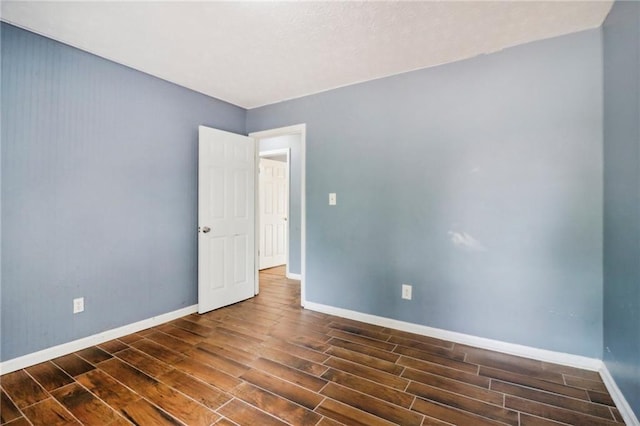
pixel 257 53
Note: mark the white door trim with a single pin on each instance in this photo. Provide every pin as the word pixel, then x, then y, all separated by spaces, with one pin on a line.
pixel 273 153
pixel 298 129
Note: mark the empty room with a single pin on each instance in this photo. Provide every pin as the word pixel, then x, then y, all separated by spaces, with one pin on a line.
pixel 320 213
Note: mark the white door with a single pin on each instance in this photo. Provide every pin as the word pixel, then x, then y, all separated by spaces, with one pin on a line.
pixel 273 212
pixel 226 218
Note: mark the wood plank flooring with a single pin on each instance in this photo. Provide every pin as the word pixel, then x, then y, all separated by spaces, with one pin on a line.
pixel 266 361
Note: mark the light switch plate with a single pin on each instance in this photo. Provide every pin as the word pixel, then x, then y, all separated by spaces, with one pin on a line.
pixel 406 291
pixel 332 199
pixel 78 305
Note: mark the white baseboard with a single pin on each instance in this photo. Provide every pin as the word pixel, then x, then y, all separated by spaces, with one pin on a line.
pixel 623 406
pixel 76 345
pixel 545 355
pixel 578 361
pixel 294 276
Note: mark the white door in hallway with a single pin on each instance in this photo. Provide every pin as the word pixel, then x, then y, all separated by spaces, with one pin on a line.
pixel 273 202
pixel 226 218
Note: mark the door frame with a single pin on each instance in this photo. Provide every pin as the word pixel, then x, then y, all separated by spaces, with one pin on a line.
pixel 269 154
pixel 301 130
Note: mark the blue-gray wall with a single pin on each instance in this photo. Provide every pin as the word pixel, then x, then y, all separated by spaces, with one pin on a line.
pixel 478 182
pixel 293 143
pixel 98 192
pixel 622 198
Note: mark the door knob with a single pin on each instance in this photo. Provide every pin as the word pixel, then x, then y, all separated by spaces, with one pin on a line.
pixel 206 229
pixel 285 219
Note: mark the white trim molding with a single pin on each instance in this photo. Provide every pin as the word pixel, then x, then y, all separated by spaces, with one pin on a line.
pixel 622 405
pixel 293 276
pixel 85 342
pixel 578 361
pixel 545 355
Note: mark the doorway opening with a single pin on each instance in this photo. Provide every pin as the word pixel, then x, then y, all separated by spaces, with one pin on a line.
pixel 286 143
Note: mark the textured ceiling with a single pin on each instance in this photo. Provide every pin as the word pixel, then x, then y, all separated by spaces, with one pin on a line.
pixel 257 53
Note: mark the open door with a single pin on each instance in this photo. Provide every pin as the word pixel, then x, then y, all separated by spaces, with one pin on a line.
pixel 226 218
pixel 273 211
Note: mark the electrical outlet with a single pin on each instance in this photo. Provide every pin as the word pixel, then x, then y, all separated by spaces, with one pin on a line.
pixel 332 199
pixel 406 291
pixel 78 305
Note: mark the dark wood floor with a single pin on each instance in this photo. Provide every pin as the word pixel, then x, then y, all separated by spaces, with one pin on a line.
pixel 265 361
